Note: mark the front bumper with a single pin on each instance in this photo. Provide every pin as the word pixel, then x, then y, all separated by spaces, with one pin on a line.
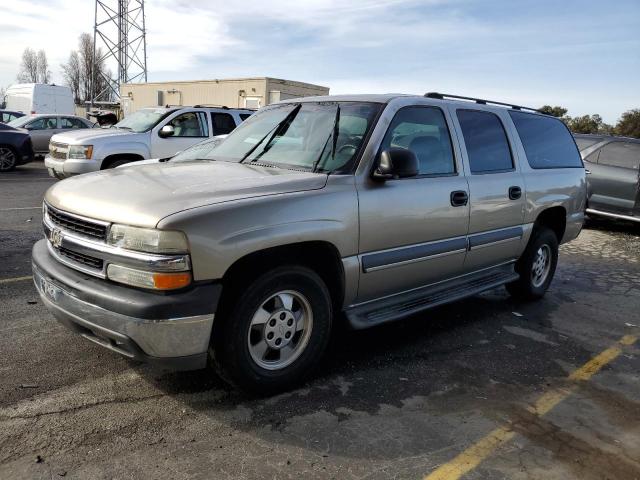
pixel 171 330
pixel 63 168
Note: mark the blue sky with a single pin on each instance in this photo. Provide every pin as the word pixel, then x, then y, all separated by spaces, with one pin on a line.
pixel 584 55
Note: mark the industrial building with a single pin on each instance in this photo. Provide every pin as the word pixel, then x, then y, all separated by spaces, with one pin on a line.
pixel 233 92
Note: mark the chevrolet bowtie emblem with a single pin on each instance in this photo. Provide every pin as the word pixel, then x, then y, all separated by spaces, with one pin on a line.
pixel 55 237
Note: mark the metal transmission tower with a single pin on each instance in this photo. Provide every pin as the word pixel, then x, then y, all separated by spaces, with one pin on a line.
pixel 119 28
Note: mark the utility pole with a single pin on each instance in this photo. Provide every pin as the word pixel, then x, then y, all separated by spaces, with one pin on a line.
pixel 119 31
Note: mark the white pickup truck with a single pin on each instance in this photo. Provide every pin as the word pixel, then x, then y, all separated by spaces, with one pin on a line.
pixel 158 132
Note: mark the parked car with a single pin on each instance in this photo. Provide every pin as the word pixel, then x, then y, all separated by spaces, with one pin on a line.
pixel 15 148
pixel 613 168
pixel 31 98
pixel 42 127
pixel 7 115
pixel 376 206
pixel 158 132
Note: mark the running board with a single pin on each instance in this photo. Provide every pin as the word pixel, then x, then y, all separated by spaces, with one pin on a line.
pixel 617 216
pixel 409 303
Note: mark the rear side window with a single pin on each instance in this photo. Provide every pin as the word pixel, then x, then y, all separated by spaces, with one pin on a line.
pixel 620 154
pixel 222 123
pixel 486 141
pixel 546 141
pixel 244 116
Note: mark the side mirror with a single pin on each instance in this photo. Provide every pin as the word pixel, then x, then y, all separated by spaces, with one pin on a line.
pixel 166 131
pixel 396 163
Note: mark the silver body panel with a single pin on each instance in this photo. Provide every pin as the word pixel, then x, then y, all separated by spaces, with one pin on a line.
pixel 393 237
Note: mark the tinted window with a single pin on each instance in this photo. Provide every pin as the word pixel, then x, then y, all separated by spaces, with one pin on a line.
pixel 222 123
pixel 546 141
pixel 486 141
pixel 584 143
pixel 620 154
pixel 423 130
pixel 244 116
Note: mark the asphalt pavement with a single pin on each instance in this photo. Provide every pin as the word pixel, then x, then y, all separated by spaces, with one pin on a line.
pixel 484 388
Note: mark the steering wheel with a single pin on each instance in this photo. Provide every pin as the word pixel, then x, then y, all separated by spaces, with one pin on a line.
pixel 344 147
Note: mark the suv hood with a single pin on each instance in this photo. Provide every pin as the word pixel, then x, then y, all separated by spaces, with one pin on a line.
pixel 145 194
pixel 82 136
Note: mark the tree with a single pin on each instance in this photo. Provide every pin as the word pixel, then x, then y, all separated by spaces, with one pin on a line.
pixel 34 67
pixel 44 74
pixel 28 67
pixel 629 124
pixel 72 74
pixel 553 111
pixel 80 68
pixel 589 124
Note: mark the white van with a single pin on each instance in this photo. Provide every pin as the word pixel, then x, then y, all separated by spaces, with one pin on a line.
pixel 30 98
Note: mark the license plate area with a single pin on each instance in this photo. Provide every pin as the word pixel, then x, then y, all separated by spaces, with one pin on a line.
pixel 48 289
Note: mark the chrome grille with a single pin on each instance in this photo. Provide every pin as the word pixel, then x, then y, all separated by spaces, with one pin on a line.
pixel 87 260
pixel 76 224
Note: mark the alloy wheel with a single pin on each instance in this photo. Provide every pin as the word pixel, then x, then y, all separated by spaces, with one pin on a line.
pixel 280 330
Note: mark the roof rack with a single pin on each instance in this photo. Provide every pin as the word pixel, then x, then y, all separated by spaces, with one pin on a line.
pixel 442 96
pixel 210 105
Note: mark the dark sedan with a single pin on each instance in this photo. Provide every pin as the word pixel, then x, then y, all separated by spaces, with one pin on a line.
pixel 15 149
pixel 613 168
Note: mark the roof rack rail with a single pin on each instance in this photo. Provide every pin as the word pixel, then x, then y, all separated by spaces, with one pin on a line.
pixel 210 105
pixel 442 96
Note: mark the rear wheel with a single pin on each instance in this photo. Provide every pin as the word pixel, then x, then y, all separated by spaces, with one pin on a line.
pixel 536 266
pixel 274 332
pixel 8 158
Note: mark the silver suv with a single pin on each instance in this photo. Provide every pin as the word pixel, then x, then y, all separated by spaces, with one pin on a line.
pixel 364 209
pixel 157 132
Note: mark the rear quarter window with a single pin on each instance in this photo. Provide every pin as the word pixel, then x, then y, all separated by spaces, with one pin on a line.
pixel 546 141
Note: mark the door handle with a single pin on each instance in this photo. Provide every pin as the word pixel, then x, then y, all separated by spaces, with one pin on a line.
pixel 515 193
pixel 587 171
pixel 459 198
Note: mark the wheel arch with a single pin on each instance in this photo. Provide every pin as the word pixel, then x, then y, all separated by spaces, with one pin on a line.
pixel 554 218
pixel 320 256
pixel 110 159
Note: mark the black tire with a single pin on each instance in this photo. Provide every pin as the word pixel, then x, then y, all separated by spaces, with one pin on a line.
pixel 117 163
pixel 526 287
pixel 230 343
pixel 9 158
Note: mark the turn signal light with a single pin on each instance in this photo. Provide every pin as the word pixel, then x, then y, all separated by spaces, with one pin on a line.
pixel 171 281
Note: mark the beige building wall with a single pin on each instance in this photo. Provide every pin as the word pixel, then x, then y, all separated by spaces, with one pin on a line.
pixel 233 93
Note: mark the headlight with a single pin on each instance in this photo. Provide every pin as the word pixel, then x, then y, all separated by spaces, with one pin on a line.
pixel 147 240
pixel 152 280
pixel 83 152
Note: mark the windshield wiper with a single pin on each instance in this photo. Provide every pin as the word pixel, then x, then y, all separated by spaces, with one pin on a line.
pixel 271 135
pixel 334 140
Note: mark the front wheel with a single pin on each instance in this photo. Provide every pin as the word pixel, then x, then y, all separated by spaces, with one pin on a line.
pixel 536 266
pixel 8 159
pixel 274 333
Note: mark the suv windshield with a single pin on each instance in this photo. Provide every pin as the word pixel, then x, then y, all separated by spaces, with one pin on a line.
pixel 143 120
pixel 318 136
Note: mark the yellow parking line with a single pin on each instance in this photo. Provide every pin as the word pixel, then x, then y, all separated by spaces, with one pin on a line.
pixel 483 448
pixel 15 279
